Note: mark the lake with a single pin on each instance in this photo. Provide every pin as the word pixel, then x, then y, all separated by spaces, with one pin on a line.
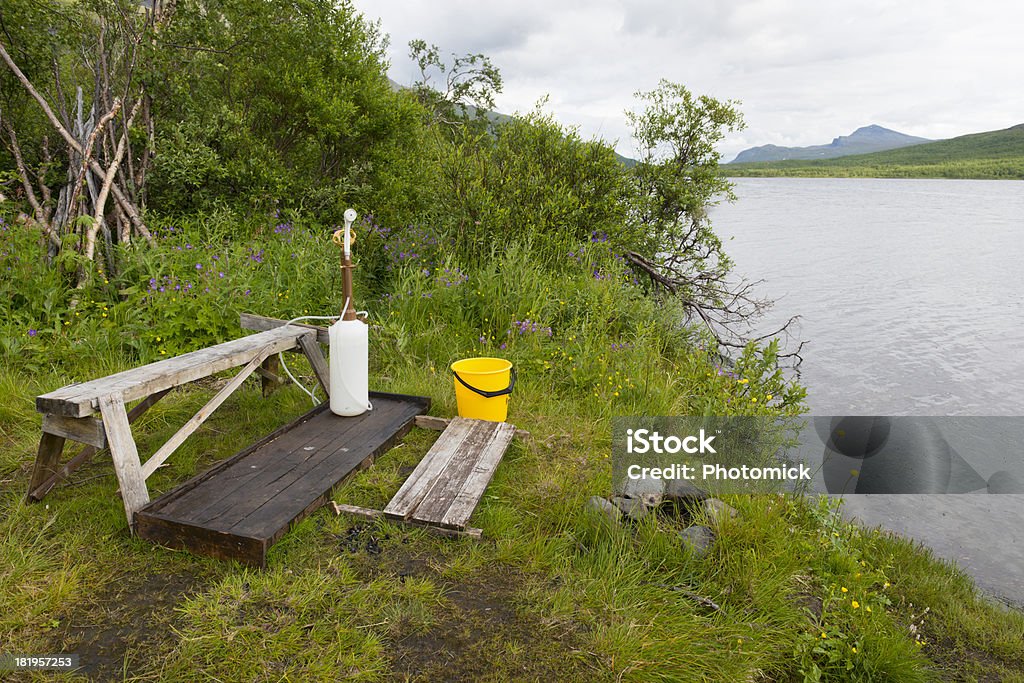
pixel 910 292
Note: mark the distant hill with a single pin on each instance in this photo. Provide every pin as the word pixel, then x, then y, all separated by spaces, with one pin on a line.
pixel 862 141
pixel 993 154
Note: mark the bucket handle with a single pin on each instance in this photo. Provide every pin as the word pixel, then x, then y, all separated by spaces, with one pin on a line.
pixel 489 394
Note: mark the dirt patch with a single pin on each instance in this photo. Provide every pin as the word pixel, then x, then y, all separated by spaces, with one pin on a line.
pixel 132 618
pixel 481 633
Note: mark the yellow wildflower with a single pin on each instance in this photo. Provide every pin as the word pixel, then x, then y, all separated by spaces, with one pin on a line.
pixel 855 604
pixel 844 589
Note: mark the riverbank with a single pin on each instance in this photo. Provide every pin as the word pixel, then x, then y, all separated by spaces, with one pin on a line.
pixel 550 593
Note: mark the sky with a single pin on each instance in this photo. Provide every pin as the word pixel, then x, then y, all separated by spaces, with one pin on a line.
pixel 805 71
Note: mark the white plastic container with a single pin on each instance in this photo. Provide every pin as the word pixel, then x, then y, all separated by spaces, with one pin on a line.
pixel 350 367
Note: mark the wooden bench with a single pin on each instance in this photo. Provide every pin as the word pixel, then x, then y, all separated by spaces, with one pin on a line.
pixel 445 488
pixel 70 412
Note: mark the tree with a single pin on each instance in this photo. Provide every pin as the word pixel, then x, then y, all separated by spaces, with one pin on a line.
pixel 81 76
pixel 676 180
pixel 469 86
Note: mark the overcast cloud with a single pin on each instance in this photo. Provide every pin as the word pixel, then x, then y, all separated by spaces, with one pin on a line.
pixel 805 70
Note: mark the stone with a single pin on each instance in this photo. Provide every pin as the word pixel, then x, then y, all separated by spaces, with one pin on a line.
pixel 683 493
pixel 1005 482
pixel 633 508
pixel 650 491
pixel 697 540
pixel 604 508
pixel 717 510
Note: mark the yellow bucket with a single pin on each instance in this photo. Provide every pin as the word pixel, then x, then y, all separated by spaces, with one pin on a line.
pixel 483 387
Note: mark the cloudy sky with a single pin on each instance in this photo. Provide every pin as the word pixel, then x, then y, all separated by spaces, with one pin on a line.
pixel 805 70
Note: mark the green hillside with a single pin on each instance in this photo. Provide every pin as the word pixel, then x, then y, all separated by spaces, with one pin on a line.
pixel 995 154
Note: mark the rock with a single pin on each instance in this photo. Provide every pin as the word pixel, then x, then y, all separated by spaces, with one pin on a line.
pixel 697 540
pixel 633 508
pixel 603 508
pixel 650 491
pixel 683 493
pixel 1005 482
pixel 717 510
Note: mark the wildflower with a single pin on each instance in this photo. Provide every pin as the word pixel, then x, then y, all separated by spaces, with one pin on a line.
pixel 867 608
pixel 855 604
pixel 743 381
pixel 844 589
pixel 199 266
pixel 823 635
pixel 854 648
pixel 32 333
pixel 886 584
pixel 768 397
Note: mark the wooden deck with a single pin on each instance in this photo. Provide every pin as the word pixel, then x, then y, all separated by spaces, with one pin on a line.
pixel 242 506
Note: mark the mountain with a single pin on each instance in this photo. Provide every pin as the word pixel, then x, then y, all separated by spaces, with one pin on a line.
pixel 993 154
pixel 862 141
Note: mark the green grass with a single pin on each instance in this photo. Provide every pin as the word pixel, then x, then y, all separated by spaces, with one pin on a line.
pixel 551 593
pixel 992 155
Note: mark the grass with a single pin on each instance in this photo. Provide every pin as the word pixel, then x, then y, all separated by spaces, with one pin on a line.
pixel 994 155
pixel 551 593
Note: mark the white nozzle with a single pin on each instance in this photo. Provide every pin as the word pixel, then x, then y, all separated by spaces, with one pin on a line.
pixel 350 218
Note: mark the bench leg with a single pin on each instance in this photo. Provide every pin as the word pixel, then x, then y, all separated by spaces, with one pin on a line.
pixel 47 458
pixel 270 378
pixel 125 455
pixel 316 358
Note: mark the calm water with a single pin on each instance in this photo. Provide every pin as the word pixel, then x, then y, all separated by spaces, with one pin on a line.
pixel 911 292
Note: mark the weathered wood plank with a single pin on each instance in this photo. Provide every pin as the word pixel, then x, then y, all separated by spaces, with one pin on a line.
pixel 82 400
pixel 466 500
pixel 317 361
pixel 412 492
pixel 269 511
pixel 251 321
pixel 439 424
pixel 47 458
pixel 447 485
pixel 87 430
pixel 125 455
pixel 173 533
pixel 199 418
pixel 269 377
pixel 368 513
pixel 87 453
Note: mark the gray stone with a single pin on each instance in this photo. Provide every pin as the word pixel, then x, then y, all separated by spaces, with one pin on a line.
pixel 717 510
pixel 650 491
pixel 1005 482
pixel 604 508
pixel 697 540
pixel 633 508
pixel 682 492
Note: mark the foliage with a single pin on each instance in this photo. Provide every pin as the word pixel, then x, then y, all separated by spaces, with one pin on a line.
pixel 284 103
pixel 470 84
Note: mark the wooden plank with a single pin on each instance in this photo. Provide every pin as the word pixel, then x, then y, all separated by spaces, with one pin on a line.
pixel 270 469
pixel 465 502
pixel 337 451
pixel 47 458
pixel 269 377
pixel 251 321
pixel 368 513
pixel 272 521
pixel 439 424
pixel 317 361
pixel 200 417
pixel 274 509
pixel 433 463
pixel 125 455
pixel 86 430
pixel 173 533
pixel 444 489
pixel 87 453
pixel 82 400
